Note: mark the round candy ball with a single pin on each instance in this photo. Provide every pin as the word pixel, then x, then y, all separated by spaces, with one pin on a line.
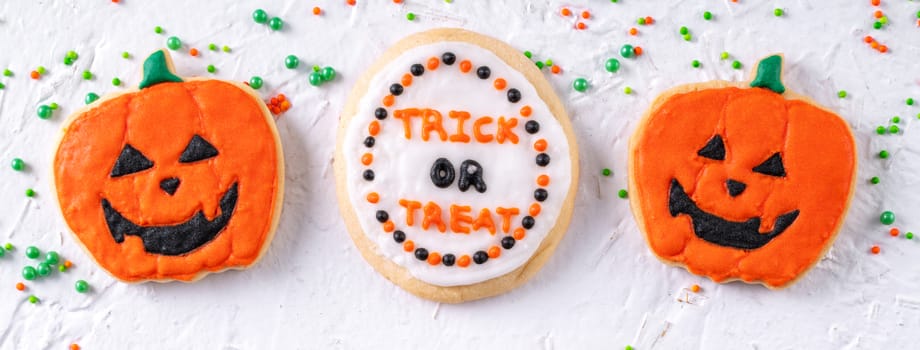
pixel 612 65
pixel 887 218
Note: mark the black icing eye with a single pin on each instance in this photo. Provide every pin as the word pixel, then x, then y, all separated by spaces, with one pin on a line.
pixel 130 161
pixel 714 149
pixel 197 149
pixel 773 166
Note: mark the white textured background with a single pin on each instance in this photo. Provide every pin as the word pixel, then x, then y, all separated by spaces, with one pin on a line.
pixel 602 289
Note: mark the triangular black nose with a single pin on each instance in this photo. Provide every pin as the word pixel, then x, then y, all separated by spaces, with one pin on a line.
pixel 734 187
pixel 170 185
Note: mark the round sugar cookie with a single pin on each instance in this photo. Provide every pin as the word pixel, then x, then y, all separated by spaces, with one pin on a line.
pixel 741 181
pixel 456 166
pixel 174 180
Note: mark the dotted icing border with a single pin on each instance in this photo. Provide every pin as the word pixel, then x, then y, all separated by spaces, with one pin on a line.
pixel 532 127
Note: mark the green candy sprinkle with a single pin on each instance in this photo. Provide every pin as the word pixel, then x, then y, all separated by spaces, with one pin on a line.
pixel 580 84
pixel 910 101
pixel 410 16
pixel 173 43
pixel 2 252
pixel 259 16
pixel 606 172
pixel 125 55
pixel 626 51
pixel 688 37
pixel 211 68
pixel 896 119
pixel 18 164
pixel 877 25
pixel 52 258
pixel 68 61
pixel 887 218
pixel 328 73
pixel 707 15
pixel 549 63
pixel 316 68
pixel 627 90
pixel 226 48
pixel 44 111
pixel 87 75
pixel 116 81
pixel 212 47
pixel 612 65
pixel 778 12
pixel 874 180
pixel 909 235
pixel 641 21
pixel 684 30
pixel 2 86
pixel 881 130
pixel 29 273
pixel 276 23
pixel 43 269
pixel 736 65
pixel 7 73
pixel 33 299
pixel 41 70
pixel 628 347
pixel 158 30
pixel 255 82
pixel 528 54
pixel 8 246
pixel 81 286
pixel 539 64
pixel 883 154
pixel 90 98
pixel 842 94
pixel 883 20
pixel 894 129
pixel 622 193
pixel 53 105
pixel 695 64
pixel 32 252
pixel 71 54
pixel 316 79
pixel 30 192
pixel 62 268
pixel 291 62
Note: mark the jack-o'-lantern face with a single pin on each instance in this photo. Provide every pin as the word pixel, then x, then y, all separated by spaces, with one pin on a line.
pixel 172 181
pixel 741 183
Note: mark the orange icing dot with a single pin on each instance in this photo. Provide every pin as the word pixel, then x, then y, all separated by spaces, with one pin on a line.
pixel 409 245
pixel 526 111
pixel 465 66
pixel 373 128
pixel 519 233
pixel 367 159
pixel 534 209
pixel 433 63
pixel 543 180
pixel 389 226
pixel 388 100
pixel 373 197
pixel 499 84
pixel 540 145
pixel 464 261
pixel 406 80
pixel 434 258
pixel 495 252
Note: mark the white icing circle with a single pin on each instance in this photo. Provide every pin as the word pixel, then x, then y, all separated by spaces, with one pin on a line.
pixel 402 166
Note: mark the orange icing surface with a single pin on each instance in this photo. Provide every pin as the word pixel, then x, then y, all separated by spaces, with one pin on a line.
pixel 159 121
pixel 818 153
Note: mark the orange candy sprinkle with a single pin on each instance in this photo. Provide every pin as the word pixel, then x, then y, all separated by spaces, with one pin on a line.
pixel 566 12
pixel 433 63
pixel 34 74
pixel 695 288
pixel 373 197
pixel 409 246
pixel 543 180
pixel 540 145
pixel 637 50
pixel 633 31
pixel 317 11
pixel 193 52
pixel 350 2
pixel 499 84
pixel 397 1
pixel 519 234
pixel 585 14
pixel 878 14
pixel 495 252
pixel 876 249
pixel 649 20
pixel 883 49
pixel 367 159
pixel 434 258
pixel 526 110
pixel 68 264
pixel 868 39
pixel 374 128
pixel 894 232
pixel 876 2
pixel 581 25
pixel 20 286
pixel 464 261
pixel 389 226
pixel 406 80
pixel 388 100
pixel 534 209
pixel 556 69
pixel 465 66
pixel 75 346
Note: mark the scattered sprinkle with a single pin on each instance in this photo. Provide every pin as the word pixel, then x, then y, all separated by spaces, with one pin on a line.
pixel 211 68
pixel 606 172
pixel 33 299
pixel 87 75
pixel 259 16
pixel 173 43
pixel 30 193
pixel 842 94
pixel 627 90
pixel 18 164
pixel 20 287
pixel 894 232
pixel 736 64
pixel 276 23
pixel 116 81
pixel 724 55
pixel 707 15
pixel 291 61
pixel 875 250
pixel 887 218
pixel 909 101
pixel 81 286
pixel 626 51
pixel 778 12
pixel 226 48
pixel 255 82
pixel 612 65
pixel 29 273
pixel 410 16
pixel 883 154
pixel 580 84
pixel 317 11
pixel 894 129
pixel 212 47
pixel 125 55
pixel 622 193
pixel 44 111
pixel 695 64
pixel 158 30
pixel 874 180
pixel 695 288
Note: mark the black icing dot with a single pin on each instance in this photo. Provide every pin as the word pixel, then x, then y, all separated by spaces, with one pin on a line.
pixel 448 259
pixel 396 89
pixel 380 113
pixel 483 72
pixel 508 242
pixel 448 58
pixel 527 222
pixel 421 253
pixel 369 141
pixel 399 236
pixel 382 216
pixel 542 159
pixel 540 195
pixel 369 175
pixel 514 95
pixel 417 69
pixel 480 257
pixel 532 127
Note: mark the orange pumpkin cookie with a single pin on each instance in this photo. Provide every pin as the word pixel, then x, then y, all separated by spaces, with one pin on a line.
pixel 741 181
pixel 177 179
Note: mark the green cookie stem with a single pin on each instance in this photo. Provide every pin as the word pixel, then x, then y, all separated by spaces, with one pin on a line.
pixel 157 70
pixel 769 74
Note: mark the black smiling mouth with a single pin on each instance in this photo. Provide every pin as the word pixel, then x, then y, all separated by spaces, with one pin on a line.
pixel 173 239
pixel 716 230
